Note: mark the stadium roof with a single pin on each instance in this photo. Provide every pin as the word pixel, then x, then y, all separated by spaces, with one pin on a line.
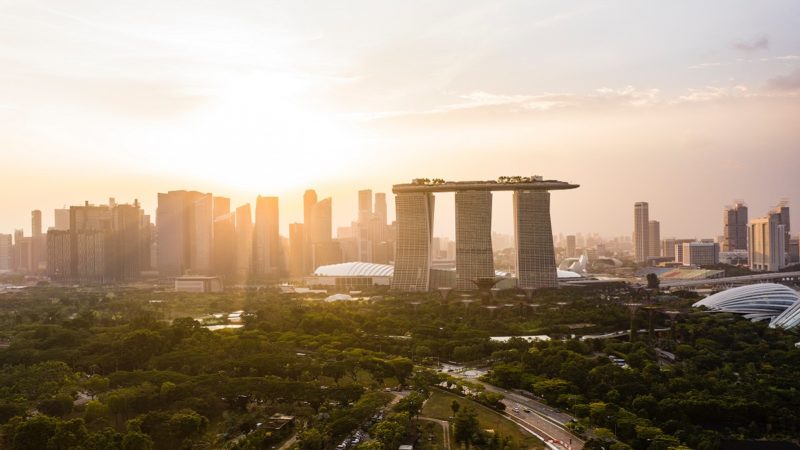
pixel 362 269
pixel 355 269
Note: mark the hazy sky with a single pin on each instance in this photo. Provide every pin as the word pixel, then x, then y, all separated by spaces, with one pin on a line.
pixel 684 104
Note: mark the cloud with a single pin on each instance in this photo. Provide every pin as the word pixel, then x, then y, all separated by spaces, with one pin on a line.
pixel 788 83
pixel 757 43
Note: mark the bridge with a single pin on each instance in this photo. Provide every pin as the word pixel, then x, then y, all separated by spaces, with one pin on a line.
pixel 744 279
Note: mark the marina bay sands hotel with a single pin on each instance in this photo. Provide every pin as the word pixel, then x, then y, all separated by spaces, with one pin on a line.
pixel 535 256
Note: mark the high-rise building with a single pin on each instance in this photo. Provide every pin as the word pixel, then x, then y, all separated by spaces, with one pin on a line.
pixel 244 242
pixel 474 258
pixel 124 261
pixel 641 223
pixel 380 208
pixel 413 247
pixel 734 232
pixel 61 219
pixel 6 253
pixel 782 210
pixel 535 256
pixel 571 249
pixel 309 206
pixel 654 238
pixel 201 234
pixel 364 205
pixel 22 252
pixel 59 255
pixel 184 221
pixel 700 253
pixel 38 243
pixel 222 206
pixel 297 251
pixel 224 254
pixel 267 252
pixel 767 237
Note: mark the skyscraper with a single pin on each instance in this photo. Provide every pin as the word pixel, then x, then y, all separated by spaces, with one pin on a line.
pixel 571 249
pixel 297 247
pixel 267 260
pixel 641 230
pixel 474 259
pixel 244 242
pixel 654 238
pixel 38 242
pixel 184 220
pixel 61 219
pixel 309 206
pixel 767 238
pixel 380 208
pixel 364 205
pixel 414 234
pixel 224 253
pixel 734 227
pixel 6 253
pixel 320 235
pixel 535 263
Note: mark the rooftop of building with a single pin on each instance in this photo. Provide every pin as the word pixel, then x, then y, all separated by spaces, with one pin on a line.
pixel 532 183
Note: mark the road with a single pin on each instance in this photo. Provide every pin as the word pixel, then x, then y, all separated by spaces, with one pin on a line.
pixel 445 429
pixel 546 422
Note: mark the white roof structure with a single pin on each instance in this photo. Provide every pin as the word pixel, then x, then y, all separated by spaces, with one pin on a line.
pixel 355 269
pixel 767 301
pixel 338 298
pixel 362 269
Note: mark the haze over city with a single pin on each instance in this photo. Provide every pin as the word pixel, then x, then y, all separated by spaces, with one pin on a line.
pixel 685 106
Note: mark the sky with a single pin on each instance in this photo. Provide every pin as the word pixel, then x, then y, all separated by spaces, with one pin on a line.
pixel 686 105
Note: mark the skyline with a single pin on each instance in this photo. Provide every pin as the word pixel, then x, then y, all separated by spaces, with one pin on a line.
pixel 686 108
pixel 444 222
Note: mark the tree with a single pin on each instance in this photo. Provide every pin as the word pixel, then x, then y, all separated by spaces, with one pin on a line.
pixel 466 429
pixel 652 281
pixel 455 406
pixel 311 439
pixel 402 368
pixel 412 403
pixel 389 433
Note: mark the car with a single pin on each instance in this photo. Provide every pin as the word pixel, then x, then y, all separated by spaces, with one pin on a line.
pixel 516 409
pixel 527 410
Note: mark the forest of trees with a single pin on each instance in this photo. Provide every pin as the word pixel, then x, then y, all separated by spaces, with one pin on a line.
pixel 131 369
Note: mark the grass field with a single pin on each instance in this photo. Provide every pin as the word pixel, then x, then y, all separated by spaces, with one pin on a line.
pixel 438 407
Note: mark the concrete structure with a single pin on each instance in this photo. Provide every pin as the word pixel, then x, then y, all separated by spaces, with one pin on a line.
pixel 413 247
pixel 678 248
pixel 734 230
pixel 767 239
pixel 474 258
pixel 297 250
pixel 641 224
pixel 184 220
pixel 198 284
pixel 700 254
pixel 654 238
pixel 244 242
pixel 61 219
pixel 6 253
pixel 267 253
pixel 570 251
pixel 535 256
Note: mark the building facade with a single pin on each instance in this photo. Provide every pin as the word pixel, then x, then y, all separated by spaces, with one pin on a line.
pixel 734 236
pixel 413 245
pixel 641 230
pixel 767 238
pixel 654 238
pixel 474 258
pixel 535 256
